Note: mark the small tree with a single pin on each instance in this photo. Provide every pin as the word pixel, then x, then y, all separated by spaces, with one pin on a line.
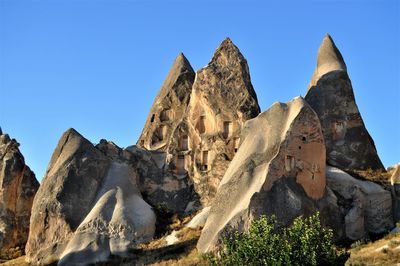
pixel 305 242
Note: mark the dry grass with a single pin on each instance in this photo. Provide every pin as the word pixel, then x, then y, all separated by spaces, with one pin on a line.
pixel 16 262
pixel 385 251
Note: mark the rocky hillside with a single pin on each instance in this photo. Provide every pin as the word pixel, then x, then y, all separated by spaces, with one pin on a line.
pixel 206 164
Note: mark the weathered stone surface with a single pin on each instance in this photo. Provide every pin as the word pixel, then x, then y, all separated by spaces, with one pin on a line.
pixel 90 204
pixel 73 177
pixel 200 129
pixel 222 100
pixel 395 182
pixel 279 169
pixel 119 220
pixel 169 107
pixel 18 187
pixel 367 207
pixel 348 143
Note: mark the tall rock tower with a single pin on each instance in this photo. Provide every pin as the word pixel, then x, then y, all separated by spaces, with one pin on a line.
pixel 195 123
pixel 222 100
pixel 18 186
pixel 348 143
pixel 169 107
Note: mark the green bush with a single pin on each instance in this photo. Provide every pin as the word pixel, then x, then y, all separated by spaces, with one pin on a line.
pixel 305 242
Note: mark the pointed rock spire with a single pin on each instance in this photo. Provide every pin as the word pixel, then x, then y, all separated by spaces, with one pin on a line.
pixel 169 106
pixel 222 99
pixel 73 177
pixel 348 143
pixel 18 189
pixel 227 54
pixel 329 59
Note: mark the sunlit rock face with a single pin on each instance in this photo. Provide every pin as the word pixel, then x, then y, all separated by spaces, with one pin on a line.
pixel 222 100
pixel 279 169
pixel 395 182
pixel 365 206
pixel 348 143
pixel 169 107
pixel 18 188
pixel 89 205
pixel 194 131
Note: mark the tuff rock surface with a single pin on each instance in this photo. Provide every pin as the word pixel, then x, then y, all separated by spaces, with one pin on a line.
pixel 195 129
pixel 18 188
pixel 222 100
pixel 279 169
pixel 169 107
pixel 73 177
pixel 395 182
pixel 119 220
pixel 348 143
pixel 366 206
pixel 89 205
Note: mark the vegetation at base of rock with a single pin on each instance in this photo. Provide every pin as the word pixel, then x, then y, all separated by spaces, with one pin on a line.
pixel 305 242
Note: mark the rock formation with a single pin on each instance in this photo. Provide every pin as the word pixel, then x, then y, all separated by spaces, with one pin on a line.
pixel 89 205
pixel 119 220
pixel 197 138
pixel 348 143
pixel 169 107
pixel 73 178
pixel 395 182
pixel 366 206
pixel 18 188
pixel 279 169
pixel 222 100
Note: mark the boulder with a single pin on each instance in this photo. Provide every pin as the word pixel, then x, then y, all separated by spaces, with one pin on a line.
pixel 366 206
pixel 348 143
pixel 119 220
pixel 279 170
pixel 395 182
pixel 18 188
pixel 66 196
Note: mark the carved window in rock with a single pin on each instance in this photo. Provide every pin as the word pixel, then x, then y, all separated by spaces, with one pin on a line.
pixel 162 132
pixel 152 118
pixel 289 163
pixel 165 115
pixel 204 160
pixel 338 130
pixel 227 131
pixel 314 169
pixel 201 124
pixel 236 143
pixel 142 143
pixel 184 143
pixel 180 165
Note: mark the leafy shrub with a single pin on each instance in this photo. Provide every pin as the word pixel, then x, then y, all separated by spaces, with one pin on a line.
pixel 305 242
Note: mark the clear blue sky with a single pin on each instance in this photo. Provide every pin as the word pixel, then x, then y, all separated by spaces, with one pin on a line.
pixel 97 65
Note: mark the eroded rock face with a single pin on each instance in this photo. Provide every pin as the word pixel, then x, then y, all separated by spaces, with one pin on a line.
pixel 222 100
pixel 348 143
pixel 169 107
pixel 18 188
pixel 119 220
pixel 279 169
pixel 366 206
pixel 73 177
pixel 90 204
pixel 197 133
pixel 395 182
